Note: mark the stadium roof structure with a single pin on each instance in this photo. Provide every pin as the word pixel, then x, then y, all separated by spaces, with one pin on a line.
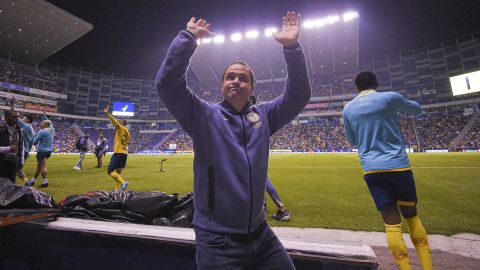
pixel 331 46
pixel 32 30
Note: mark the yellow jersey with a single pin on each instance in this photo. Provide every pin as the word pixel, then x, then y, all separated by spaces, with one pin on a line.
pixel 122 136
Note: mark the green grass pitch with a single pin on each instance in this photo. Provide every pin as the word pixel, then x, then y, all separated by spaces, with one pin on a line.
pixel 321 190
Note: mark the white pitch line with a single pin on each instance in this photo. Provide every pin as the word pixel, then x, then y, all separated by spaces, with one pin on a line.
pixel 301 167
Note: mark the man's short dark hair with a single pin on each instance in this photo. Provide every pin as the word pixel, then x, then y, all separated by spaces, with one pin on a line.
pixel 9 113
pixel 252 77
pixel 366 80
pixel 29 117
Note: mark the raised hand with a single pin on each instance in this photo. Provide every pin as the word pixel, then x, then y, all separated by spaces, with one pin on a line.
pixel 106 109
pixel 290 32
pixel 200 28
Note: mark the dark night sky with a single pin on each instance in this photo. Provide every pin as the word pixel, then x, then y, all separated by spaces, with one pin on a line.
pixel 132 36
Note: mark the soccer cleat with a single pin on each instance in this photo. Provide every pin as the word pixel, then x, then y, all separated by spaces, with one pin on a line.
pixel 77 168
pixel 124 186
pixel 282 216
pixel 29 183
pixel 43 185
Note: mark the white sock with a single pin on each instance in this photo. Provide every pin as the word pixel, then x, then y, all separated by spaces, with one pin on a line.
pixel 33 179
pixel 45 180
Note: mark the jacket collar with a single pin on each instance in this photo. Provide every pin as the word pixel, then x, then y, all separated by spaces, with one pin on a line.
pixel 228 107
pixel 366 92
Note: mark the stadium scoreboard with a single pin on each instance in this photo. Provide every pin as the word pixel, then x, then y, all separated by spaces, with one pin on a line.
pixel 123 108
pixel 466 83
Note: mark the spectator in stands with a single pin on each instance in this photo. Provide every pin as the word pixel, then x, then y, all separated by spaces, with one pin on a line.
pixel 100 149
pixel 82 147
pixel 472 138
pixel 371 123
pixel 120 151
pixel 434 131
pixel 44 139
pixel 230 139
pixel 28 134
pixel 11 146
pixel 182 141
pixel 23 77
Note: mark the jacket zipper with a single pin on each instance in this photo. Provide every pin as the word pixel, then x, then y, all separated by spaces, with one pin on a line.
pixel 249 174
pixel 211 191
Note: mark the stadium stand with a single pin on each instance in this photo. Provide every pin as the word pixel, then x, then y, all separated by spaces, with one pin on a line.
pixel 471 141
pixel 325 136
pixel 27 76
pixel 146 141
pixel 182 141
pixel 443 125
pixel 434 130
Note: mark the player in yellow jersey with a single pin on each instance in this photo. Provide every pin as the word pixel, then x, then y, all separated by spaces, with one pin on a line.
pixel 120 151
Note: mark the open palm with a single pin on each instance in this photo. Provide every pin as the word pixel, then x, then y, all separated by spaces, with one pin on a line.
pixel 199 28
pixel 290 32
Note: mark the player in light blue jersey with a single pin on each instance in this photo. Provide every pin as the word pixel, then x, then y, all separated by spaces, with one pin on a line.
pixel 371 123
pixel 44 142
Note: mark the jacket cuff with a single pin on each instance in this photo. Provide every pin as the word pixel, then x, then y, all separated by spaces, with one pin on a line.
pixel 189 35
pixel 294 48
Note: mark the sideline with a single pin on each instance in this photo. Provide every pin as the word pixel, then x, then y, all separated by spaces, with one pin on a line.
pixel 465 244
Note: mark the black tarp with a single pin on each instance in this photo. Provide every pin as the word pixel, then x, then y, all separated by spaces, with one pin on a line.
pixel 17 196
pixel 154 207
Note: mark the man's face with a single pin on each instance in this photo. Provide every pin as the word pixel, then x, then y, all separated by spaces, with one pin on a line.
pixel 237 84
pixel 26 120
pixel 122 122
pixel 12 119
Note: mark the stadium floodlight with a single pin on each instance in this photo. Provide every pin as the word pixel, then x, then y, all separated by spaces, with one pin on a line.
pixel 269 31
pixel 349 16
pixel 206 40
pixel 251 34
pixel 236 37
pixel 333 19
pixel 219 39
pixel 308 24
pixel 319 23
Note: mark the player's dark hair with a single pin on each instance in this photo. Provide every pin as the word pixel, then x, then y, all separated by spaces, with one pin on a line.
pixel 366 80
pixel 29 117
pixel 252 77
pixel 9 113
